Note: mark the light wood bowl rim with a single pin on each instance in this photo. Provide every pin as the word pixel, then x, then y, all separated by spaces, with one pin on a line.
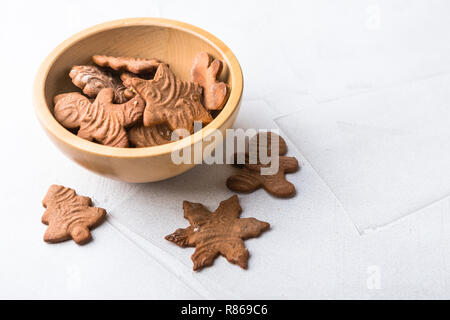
pixel 54 128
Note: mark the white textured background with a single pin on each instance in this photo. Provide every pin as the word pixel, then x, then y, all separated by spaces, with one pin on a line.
pixel 359 88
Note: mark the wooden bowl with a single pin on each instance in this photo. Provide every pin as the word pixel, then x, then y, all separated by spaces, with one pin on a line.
pixel 173 42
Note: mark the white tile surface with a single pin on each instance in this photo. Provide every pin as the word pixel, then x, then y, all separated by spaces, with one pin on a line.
pixel 384 154
pixel 295 55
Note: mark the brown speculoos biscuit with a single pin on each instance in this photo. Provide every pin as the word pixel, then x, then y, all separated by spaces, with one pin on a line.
pixel 249 177
pixel 129 64
pixel 141 136
pixel 171 101
pixel 205 73
pixel 69 215
pixel 221 232
pixel 101 120
pixel 91 80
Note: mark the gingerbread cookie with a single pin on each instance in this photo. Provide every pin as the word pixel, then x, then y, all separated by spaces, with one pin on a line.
pixel 170 101
pixel 129 64
pixel 69 215
pixel 250 178
pixel 141 136
pixel 92 80
pixel 265 141
pixel 221 232
pixel 126 79
pixel 205 73
pixel 101 120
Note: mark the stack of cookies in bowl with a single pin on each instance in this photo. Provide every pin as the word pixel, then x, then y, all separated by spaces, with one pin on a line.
pixel 131 102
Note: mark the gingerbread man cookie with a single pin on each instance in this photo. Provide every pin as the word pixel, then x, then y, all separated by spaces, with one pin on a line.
pixel 249 177
pixel 101 120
